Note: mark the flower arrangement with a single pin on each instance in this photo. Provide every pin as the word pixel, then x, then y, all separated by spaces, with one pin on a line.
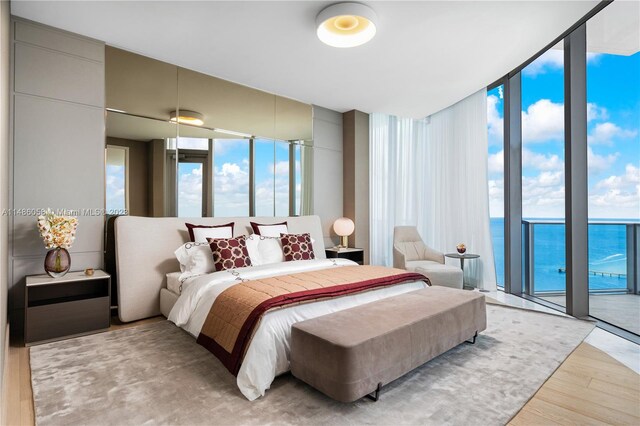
pixel 57 231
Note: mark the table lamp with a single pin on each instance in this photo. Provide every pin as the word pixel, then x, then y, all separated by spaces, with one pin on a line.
pixel 343 228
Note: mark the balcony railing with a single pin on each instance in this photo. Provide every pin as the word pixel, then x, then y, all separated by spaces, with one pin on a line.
pixel 614 249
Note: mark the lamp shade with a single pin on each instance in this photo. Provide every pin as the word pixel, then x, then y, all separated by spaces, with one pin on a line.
pixel 344 226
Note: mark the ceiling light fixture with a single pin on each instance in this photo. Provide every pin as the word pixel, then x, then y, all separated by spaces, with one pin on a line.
pixel 187 117
pixel 346 24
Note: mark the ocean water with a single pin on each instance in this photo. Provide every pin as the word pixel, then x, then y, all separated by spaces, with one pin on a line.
pixel 607 253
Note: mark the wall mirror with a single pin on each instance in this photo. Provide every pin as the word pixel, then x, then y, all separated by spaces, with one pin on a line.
pixel 182 143
pixel 140 166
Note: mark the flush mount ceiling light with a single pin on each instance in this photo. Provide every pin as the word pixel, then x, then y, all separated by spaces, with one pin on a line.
pixel 187 117
pixel 346 24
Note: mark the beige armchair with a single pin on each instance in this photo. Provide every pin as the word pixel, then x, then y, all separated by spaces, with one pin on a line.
pixel 412 254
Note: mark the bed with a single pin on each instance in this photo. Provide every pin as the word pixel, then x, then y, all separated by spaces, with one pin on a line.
pixel 147 271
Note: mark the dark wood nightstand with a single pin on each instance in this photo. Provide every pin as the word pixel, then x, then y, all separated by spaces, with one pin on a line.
pixel 59 308
pixel 355 254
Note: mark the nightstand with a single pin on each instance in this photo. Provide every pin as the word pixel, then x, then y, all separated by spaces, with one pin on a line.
pixel 70 306
pixel 355 254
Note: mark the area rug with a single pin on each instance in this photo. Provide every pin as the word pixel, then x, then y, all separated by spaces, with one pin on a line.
pixel 157 374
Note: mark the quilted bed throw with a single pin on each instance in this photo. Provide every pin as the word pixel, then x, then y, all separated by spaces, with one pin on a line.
pixel 237 311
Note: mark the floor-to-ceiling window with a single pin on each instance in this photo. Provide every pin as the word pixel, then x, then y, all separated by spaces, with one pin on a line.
pixel 601 119
pixel 543 171
pixel 495 129
pixel 613 100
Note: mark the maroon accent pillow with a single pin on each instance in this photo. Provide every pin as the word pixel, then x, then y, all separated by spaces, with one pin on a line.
pixel 297 247
pixel 190 227
pixel 256 227
pixel 229 253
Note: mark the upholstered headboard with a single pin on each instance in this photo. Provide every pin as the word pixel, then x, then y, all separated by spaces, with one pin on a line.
pixel 145 247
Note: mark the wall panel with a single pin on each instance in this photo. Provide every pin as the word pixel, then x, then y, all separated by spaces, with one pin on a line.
pixel 58 76
pixel 327 170
pixel 57 141
pixel 57 165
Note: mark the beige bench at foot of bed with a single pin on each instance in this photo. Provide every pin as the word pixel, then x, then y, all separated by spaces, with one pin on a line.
pixel 352 353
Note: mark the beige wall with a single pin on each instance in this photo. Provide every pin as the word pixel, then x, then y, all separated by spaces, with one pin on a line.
pixel 5 43
pixel 138 174
pixel 356 177
pixel 57 148
pixel 327 170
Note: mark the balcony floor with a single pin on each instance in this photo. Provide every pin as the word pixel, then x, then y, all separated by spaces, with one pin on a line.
pixel 622 310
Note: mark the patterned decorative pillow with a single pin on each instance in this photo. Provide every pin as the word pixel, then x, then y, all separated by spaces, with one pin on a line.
pixel 229 253
pixel 297 247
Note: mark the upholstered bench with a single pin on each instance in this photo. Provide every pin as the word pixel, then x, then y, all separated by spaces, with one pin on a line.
pixel 351 353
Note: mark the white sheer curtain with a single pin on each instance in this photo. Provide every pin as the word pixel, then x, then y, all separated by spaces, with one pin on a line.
pixel 433 174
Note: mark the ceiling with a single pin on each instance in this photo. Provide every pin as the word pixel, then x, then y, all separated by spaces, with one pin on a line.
pixel 425 56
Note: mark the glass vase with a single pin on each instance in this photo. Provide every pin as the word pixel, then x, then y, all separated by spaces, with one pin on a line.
pixel 57 262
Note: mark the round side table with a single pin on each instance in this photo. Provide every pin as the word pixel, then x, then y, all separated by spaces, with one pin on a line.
pixel 462 258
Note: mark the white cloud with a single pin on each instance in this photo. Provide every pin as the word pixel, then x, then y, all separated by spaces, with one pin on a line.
pixel 617 196
pixel 496 162
pixel 552 59
pixel 595 112
pixel 281 168
pixel 496 198
pixel 543 195
pixel 223 146
pixel 495 122
pixel 265 197
pixel 599 163
pixel 604 133
pixel 231 186
pixel 543 121
pixel 629 181
pixel 593 57
pixel 190 193
pixel 529 159
pixel 115 187
pixel 541 161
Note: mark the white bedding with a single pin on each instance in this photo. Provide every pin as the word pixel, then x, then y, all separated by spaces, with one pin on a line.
pixel 268 353
pixel 173 282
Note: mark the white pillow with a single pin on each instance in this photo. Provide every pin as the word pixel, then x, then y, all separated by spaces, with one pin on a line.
pixel 195 259
pixel 264 250
pixel 200 235
pixel 270 230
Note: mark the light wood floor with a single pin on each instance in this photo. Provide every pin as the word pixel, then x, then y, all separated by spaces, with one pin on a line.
pixel 589 388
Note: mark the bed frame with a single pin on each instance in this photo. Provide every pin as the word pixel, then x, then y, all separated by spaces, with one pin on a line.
pixel 145 254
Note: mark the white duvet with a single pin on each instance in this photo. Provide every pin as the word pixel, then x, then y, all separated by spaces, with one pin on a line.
pixel 268 353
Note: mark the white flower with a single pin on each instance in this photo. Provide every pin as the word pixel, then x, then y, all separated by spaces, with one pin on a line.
pixel 56 230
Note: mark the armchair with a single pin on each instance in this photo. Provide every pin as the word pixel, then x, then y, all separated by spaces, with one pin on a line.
pixel 412 254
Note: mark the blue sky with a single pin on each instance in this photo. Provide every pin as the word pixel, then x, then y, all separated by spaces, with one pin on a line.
pixel 613 96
